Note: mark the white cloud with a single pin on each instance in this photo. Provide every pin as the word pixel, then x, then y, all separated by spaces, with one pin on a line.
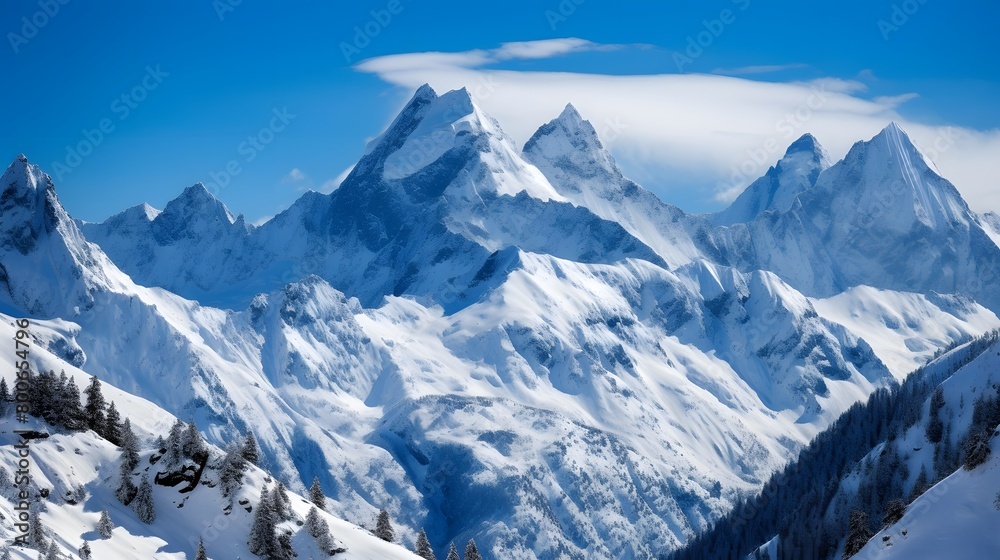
pixel 294 176
pixel 679 133
pixel 546 49
pixel 746 70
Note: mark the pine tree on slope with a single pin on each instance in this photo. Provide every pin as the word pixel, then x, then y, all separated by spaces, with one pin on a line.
pixel 262 539
pixel 201 554
pixel 105 526
pixel 316 495
pixel 94 408
pixel 231 471
pixel 859 535
pixel 192 444
pixel 84 551
pixel 143 506
pixel 129 446
pixel 72 411
pixel 126 491
pixel 383 527
pixel 319 529
pixel 113 425
pixel 282 504
pixel 471 552
pixel 423 547
pixel 251 451
pixel 977 449
pixel 453 553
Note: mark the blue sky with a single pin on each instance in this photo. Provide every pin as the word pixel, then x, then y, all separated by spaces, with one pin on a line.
pixel 199 78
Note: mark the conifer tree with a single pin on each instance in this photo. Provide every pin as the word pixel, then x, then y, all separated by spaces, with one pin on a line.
pixel 319 529
pixel 281 503
pixel 262 539
pixel 316 495
pixel 894 511
pixel 129 446
pixel 36 532
pixel 175 453
pixel 5 555
pixel 383 527
pixel 4 397
pixel 143 506
pixel 113 425
pixel 94 407
pixel 84 551
pixel 977 449
pixel 858 535
pixel 105 526
pixel 231 470
pixel 453 553
pixel 201 554
pixel 251 451
pixel 53 551
pixel 126 491
pixel 471 552
pixel 72 411
pixel 192 444
pixel 423 547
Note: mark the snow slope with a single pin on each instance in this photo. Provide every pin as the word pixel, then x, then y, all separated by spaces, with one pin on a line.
pixel 905 330
pixel 956 518
pixel 65 461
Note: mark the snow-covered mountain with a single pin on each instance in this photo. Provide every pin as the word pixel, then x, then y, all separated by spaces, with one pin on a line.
pixel 77 473
pixel 569 153
pixel 778 189
pixel 526 348
pixel 881 217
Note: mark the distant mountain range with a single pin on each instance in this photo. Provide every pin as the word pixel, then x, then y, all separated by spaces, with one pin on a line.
pixel 520 346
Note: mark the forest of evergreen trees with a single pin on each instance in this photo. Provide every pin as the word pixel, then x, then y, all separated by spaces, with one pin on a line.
pixel 796 503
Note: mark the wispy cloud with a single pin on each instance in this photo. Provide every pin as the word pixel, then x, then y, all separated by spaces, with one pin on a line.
pixel 676 132
pixel 750 70
pixel 294 176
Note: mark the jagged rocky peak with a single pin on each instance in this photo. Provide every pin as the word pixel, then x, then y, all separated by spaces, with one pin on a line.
pixel 197 200
pixel 891 176
pixel 28 205
pixel 796 172
pixel 569 152
pixel 442 143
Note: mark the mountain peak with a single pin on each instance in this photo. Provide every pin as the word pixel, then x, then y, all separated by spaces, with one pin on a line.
pixel 889 172
pixel 806 143
pixel 796 172
pixel 569 136
pixel 570 114
pixel 196 202
pixel 425 92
